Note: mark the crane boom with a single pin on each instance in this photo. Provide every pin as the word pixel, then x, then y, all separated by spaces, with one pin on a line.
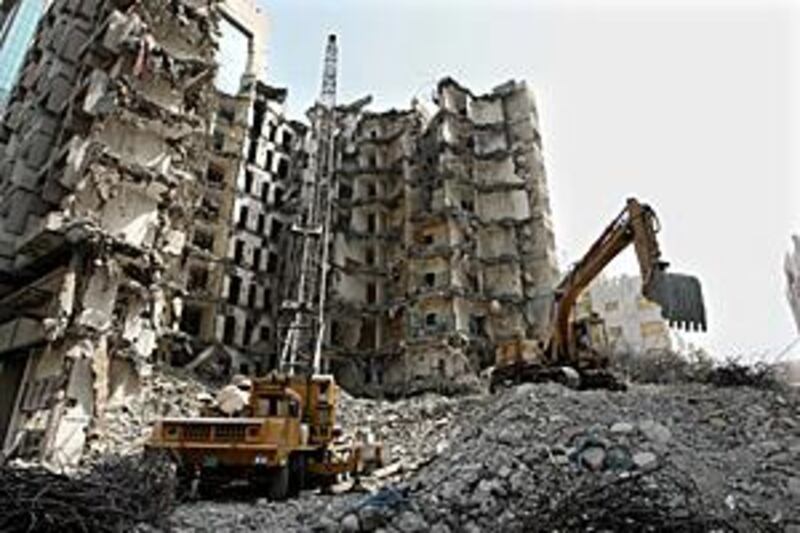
pixel 301 351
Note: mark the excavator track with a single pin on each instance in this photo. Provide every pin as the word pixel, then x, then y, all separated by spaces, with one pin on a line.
pixel 526 372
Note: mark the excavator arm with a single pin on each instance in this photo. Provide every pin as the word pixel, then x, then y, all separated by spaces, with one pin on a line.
pixel 680 296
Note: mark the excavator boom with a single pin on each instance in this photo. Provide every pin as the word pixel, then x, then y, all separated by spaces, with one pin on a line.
pixel 679 295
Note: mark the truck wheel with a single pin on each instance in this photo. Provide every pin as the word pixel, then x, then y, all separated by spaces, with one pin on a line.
pixel 185 484
pixel 278 487
pixel 297 474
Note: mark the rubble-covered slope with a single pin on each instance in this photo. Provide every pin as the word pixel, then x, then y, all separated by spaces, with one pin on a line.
pixel 543 457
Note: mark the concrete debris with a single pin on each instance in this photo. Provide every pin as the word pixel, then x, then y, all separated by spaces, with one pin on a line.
pixel 413 432
pixel 129 416
pixel 516 458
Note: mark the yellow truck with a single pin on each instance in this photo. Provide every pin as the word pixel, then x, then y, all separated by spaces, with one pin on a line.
pixel 284 439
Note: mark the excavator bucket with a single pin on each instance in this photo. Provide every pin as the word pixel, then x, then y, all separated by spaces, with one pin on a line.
pixel 681 300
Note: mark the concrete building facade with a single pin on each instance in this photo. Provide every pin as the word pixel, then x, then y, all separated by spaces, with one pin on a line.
pixel 443 244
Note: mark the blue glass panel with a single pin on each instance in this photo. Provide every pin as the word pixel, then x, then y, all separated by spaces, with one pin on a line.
pixel 17 34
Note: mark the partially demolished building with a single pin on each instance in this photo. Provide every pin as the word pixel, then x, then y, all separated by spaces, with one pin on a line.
pixel 104 142
pixel 150 193
pixel 248 200
pixel 139 187
pixel 443 242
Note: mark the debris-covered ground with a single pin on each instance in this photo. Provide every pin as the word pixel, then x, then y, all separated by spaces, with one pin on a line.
pixel 543 458
pixel 538 457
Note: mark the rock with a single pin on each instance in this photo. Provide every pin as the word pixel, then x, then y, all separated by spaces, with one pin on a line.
pixel 508 436
pixel 593 458
pixel 655 432
pixel 730 502
pixel 618 458
pixel 371 518
pixel 491 486
pixel 327 525
pixel 622 428
pixel 770 447
pixel 472 527
pixel 526 389
pixel 793 486
pixel 442 446
pixel 571 377
pixel 717 422
pixel 440 527
pixel 644 460
pixel 350 524
pixel 410 522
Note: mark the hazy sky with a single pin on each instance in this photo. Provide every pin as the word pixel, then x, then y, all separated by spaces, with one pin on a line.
pixel 690 106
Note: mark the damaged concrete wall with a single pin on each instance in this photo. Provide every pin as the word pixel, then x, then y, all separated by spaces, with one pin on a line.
pixel 102 148
pixel 443 245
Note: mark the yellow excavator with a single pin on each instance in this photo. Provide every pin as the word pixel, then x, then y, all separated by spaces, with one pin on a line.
pixel 568 353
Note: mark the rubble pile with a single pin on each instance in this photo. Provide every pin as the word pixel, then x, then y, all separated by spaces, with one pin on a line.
pixel 542 457
pixel 725 457
pixel 126 423
pixel 412 431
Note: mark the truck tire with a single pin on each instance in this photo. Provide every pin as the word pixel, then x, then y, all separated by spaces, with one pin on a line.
pixel 278 485
pixel 297 474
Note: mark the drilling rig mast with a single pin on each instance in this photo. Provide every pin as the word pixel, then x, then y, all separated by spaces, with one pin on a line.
pixel 302 346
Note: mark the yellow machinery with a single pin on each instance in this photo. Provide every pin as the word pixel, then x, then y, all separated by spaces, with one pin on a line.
pixel 283 440
pixel 573 344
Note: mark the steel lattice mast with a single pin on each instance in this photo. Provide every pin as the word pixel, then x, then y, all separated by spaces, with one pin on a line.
pixel 302 348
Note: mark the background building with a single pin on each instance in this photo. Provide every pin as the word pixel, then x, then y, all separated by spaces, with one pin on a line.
pixel 634 324
pixel 791 266
pixel 443 244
